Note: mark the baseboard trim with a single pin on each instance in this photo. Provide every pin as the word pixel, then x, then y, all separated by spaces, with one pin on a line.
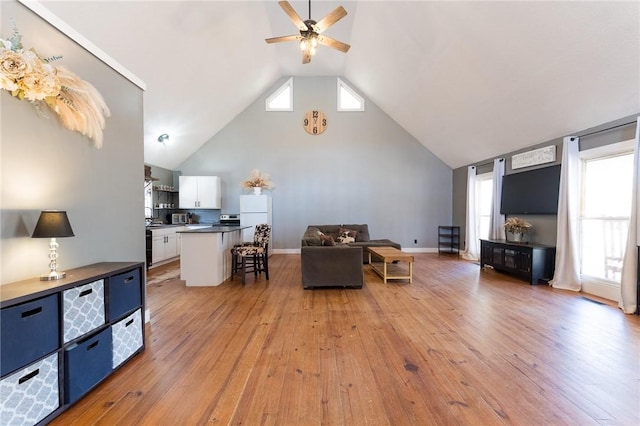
pixel 164 262
pixel 602 289
pixel 420 250
pixel 407 250
pixel 286 251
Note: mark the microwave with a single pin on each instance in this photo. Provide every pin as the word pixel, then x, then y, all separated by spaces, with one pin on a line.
pixel 178 218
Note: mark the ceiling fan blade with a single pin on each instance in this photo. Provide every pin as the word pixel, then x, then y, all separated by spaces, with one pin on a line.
pixel 290 11
pixel 306 57
pixel 281 39
pixel 333 43
pixel 333 17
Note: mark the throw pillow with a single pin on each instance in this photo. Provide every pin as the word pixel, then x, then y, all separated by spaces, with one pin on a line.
pixel 327 240
pixel 363 231
pixel 347 235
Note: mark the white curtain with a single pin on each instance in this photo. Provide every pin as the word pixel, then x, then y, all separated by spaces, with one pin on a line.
pixel 628 287
pixel 471 243
pixel 496 224
pixel 567 270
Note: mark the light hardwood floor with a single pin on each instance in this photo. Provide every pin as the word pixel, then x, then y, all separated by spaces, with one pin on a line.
pixel 457 346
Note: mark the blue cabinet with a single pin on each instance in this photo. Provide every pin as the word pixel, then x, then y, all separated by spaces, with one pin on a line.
pixel 86 363
pixel 124 293
pixel 29 331
pixel 57 339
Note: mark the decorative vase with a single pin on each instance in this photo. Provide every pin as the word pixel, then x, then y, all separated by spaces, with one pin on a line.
pixel 517 237
pixel 257 190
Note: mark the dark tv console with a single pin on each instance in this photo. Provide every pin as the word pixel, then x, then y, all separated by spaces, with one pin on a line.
pixel 532 262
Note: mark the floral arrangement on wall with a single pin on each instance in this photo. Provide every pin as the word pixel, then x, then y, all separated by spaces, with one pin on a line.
pixel 258 180
pixel 28 76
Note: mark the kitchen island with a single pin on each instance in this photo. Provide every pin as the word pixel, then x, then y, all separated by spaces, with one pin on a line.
pixel 205 258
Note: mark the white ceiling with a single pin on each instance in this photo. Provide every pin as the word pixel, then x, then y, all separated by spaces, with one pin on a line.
pixel 469 80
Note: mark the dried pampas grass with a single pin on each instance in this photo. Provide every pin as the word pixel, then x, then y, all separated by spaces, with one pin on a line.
pixel 79 106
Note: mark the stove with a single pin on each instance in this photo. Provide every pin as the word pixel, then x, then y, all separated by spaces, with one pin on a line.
pixel 230 219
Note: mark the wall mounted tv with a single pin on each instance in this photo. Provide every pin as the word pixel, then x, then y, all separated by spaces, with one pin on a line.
pixel 532 192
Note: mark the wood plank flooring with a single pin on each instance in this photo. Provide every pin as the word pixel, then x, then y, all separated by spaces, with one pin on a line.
pixel 458 346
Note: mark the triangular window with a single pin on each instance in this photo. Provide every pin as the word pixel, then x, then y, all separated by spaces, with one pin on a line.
pixel 348 99
pixel 281 99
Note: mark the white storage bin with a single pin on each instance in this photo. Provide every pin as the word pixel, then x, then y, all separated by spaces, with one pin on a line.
pixel 31 394
pixel 83 309
pixel 127 337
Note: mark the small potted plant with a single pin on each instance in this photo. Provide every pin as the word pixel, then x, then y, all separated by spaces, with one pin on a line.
pixel 257 181
pixel 517 227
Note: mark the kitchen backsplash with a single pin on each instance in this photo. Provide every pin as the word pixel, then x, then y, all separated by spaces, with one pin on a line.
pixel 204 216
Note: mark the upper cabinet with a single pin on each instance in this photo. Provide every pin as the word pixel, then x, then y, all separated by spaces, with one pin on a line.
pixel 200 192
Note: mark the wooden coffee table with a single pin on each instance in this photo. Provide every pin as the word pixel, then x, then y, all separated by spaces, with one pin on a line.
pixel 385 266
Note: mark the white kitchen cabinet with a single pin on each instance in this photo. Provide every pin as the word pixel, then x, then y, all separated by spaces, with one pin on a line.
pixel 157 249
pixel 200 192
pixel 171 246
pixel 164 244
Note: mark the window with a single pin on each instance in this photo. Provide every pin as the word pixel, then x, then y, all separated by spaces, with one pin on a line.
pixel 281 99
pixel 484 197
pixel 348 99
pixel 605 206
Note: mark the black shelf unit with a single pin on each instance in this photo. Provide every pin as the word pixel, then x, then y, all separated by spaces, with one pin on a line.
pixel 533 262
pixel 449 240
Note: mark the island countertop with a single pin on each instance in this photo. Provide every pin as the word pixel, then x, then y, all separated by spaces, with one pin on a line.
pixel 205 255
pixel 215 229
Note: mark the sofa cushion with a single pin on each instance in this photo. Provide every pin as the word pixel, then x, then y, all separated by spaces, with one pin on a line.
pixel 363 231
pixel 347 235
pixel 374 243
pixel 328 229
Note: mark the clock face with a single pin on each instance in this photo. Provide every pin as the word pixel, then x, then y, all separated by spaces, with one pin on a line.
pixel 315 122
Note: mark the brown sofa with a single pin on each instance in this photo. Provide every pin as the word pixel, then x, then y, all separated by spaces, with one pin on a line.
pixel 332 259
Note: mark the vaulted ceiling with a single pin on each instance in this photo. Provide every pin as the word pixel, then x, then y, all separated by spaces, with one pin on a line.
pixel 469 80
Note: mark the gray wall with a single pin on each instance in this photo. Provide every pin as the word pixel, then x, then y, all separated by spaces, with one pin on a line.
pixel 45 166
pixel 164 176
pixel 363 169
pixel 544 226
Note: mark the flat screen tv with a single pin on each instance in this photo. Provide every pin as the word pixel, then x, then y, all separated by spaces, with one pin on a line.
pixel 532 192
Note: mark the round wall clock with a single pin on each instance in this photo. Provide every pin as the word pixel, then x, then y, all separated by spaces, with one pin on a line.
pixel 315 122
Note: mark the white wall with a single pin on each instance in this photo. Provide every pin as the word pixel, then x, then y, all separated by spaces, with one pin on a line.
pixel 45 166
pixel 363 169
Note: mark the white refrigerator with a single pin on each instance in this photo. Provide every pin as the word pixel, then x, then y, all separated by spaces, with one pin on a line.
pixel 254 210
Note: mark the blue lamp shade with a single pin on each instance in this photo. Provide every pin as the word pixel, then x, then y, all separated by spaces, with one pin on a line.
pixel 53 224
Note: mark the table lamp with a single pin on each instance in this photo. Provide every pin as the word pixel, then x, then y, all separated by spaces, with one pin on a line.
pixel 53 224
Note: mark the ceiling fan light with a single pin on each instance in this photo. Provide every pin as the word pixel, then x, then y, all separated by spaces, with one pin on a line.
pixel 312 51
pixel 304 45
pixel 314 42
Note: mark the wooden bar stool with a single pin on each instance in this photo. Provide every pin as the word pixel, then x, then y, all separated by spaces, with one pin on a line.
pixel 252 256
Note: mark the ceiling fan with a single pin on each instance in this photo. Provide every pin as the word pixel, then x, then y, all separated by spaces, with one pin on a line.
pixel 310 31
